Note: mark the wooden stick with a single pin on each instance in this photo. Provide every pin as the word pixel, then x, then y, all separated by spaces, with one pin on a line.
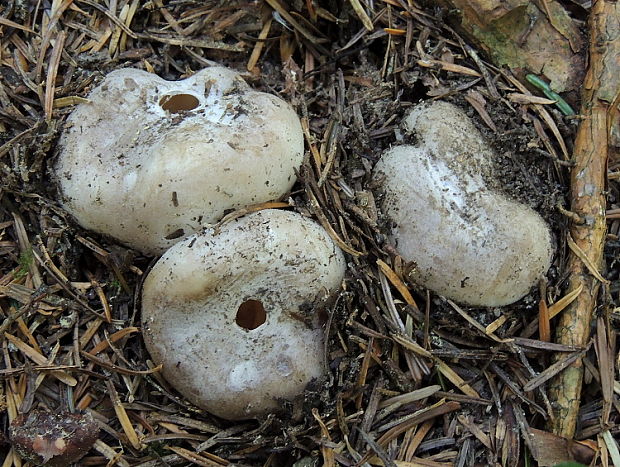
pixel 599 92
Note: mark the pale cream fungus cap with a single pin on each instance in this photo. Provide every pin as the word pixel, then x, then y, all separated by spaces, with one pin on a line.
pixel 149 161
pixel 468 241
pixel 234 316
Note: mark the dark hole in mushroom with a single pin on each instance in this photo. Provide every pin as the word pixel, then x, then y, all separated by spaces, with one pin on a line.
pixel 178 103
pixel 251 314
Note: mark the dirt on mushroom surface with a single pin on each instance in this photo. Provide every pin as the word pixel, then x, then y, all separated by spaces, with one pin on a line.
pixel 453 385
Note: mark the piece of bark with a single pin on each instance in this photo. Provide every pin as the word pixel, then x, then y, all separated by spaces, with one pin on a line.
pixel 528 37
pixel 549 449
pixel 592 148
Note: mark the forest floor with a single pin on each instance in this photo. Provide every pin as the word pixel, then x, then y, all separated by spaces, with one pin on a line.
pixel 455 385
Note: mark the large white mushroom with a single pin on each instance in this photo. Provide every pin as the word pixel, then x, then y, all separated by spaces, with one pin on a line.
pixel 149 161
pixel 469 242
pixel 233 316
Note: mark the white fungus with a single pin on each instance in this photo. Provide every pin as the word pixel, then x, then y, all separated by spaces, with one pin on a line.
pixel 469 242
pixel 234 316
pixel 149 161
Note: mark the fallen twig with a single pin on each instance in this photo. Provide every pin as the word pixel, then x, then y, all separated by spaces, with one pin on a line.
pixel 600 89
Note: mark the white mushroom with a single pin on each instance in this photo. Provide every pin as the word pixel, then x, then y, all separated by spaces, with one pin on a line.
pixel 233 316
pixel 149 161
pixel 468 242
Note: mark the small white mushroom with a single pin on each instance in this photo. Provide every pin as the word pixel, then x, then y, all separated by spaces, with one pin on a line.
pixel 469 243
pixel 233 316
pixel 149 161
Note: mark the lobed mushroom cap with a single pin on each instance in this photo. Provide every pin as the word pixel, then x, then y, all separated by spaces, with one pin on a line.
pixel 149 161
pixel 469 242
pixel 205 300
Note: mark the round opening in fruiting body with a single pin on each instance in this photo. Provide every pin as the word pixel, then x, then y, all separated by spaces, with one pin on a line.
pixel 177 103
pixel 251 314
